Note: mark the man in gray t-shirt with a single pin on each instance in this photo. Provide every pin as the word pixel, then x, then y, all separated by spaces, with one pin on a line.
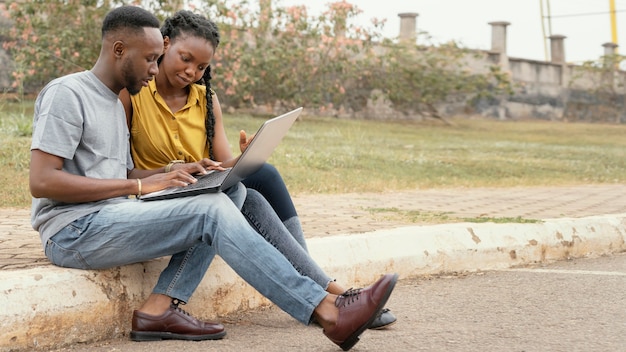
pixel 81 176
pixel 81 120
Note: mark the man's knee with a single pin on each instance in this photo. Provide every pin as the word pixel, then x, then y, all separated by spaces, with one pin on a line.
pixel 237 194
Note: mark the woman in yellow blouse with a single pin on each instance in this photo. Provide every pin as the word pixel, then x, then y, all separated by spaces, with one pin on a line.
pixel 176 122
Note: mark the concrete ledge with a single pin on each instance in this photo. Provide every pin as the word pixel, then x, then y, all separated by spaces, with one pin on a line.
pixel 51 307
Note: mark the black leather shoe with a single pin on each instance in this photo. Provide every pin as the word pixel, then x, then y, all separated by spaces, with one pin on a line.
pixel 174 324
pixel 384 320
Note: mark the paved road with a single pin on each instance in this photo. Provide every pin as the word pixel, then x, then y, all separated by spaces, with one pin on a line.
pixel 566 306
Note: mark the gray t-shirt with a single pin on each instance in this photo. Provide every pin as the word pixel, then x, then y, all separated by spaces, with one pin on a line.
pixel 81 120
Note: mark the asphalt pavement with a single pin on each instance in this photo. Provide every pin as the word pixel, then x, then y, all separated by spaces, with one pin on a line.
pixel 568 306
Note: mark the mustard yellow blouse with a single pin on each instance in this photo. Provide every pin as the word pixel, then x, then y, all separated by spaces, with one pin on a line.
pixel 159 136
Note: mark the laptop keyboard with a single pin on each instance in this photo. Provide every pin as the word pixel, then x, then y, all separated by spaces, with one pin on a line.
pixel 211 179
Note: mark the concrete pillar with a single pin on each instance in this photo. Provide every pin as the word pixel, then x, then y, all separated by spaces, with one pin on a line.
pixel 557 49
pixel 557 56
pixel 611 62
pixel 498 43
pixel 498 49
pixel 498 37
pixel 408 25
pixel 610 49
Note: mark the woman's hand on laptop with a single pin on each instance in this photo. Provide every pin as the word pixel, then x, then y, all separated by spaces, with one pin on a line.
pixel 198 168
pixel 208 164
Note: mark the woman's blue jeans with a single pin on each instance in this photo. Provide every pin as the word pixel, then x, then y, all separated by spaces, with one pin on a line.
pixel 267 223
pixel 268 181
pixel 192 230
pixel 270 184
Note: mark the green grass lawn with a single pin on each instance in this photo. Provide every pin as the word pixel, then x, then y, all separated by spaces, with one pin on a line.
pixel 327 155
pixel 330 155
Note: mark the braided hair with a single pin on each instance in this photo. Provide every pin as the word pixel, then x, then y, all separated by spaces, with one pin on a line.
pixel 188 23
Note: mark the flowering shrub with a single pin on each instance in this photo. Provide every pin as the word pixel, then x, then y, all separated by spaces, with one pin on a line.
pixel 283 56
pixel 278 57
pixel 51 38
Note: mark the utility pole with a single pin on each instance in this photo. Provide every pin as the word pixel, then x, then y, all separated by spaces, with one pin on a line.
pixel 613 22
pixel 543 31
pixel 543 26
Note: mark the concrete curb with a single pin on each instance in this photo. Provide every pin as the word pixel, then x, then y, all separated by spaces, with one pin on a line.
pixel 50 306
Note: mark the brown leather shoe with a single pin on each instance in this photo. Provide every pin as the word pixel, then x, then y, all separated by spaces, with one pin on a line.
pixel 358 309
pixel 174 324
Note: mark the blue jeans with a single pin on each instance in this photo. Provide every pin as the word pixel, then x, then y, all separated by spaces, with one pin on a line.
pixel 270 184
pixel 192 230
pixel 267 223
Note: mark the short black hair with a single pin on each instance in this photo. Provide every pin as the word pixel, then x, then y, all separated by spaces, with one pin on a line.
pixel 128 17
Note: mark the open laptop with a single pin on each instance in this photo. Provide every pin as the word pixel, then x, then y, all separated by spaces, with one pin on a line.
pixel 256 154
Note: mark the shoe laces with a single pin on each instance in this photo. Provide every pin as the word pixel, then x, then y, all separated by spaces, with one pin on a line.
pixel 348 297
pixel 383 311
pixel 174 305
